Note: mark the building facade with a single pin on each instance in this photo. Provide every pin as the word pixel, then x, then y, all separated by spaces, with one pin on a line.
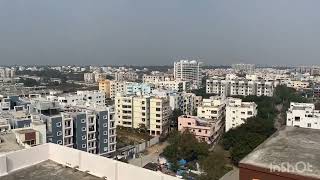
pixel 237 112
pixel 185 70
pixel 303 115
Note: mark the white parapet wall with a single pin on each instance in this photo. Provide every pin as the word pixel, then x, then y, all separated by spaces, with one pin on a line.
pixel 93 164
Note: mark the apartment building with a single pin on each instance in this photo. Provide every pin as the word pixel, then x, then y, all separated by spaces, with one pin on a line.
pixel 5 103
pixel 212 108
pixel 264 88
pixel 157 77
pixel 83 98
pixel 159 116
pixel 246 68
pixel 303 115
pixel 238 86
pixel 218 87
pixel 151 112
pixel 89 129
pixel 89 77
pixel 112 88
pixel 242 88
pixel 186 70
pixel 132 88
pixel 125 76
pixel 204 130
pixel 237 112
pixel 190 103
pixel 298 85
pixel 175 85
pixel 124 115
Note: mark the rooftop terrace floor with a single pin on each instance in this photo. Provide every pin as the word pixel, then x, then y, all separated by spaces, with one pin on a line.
pixel 48 170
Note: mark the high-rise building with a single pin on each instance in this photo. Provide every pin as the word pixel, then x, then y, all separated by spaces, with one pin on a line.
pixel 243 68
pixel 186 70
pixel 303 115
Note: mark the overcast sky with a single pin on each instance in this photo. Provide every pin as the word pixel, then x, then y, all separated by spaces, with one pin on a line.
pixel 157 32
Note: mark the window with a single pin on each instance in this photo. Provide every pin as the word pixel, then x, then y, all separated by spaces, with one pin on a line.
pixel 143 114
pixel 158 126
pixel 143 108
pixel 158 121
pixel 199 130
pixel 297 118
pixel 105 132
pixel 84 145
pixel 158 109
pixel 84 137
pixel 58 124
pixel 105 149
pixel 83 121
pixel 143 119
pixel 158 103
pixel 59 142
pixel 309 124
pixel 83 128
pixel 59 133
pixel 243 113
pixel 158 115
pixel 189 123
pixel 249 112
pixel 143 102
pixel 105 125
pixel 105 140
pixel 105 117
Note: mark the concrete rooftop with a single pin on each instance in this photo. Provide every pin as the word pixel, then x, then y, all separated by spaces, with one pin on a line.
pixel 289 145
pixel 48 170
pixel 9 143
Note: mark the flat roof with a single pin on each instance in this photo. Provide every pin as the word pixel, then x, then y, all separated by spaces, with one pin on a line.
pixel 290 145
pixel 49 170
pixel 23 131
pixel 8 143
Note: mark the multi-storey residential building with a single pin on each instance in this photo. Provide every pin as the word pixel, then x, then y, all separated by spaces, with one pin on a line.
pixel 157 77
pixel 5 103
pixel 242 87
pixel 218 87
pixel 303 115
pixel 190 103
pixel 237 112
pixel 87 129
pixel 175 85
pixel 83 98
pixel 125 76
pixel 123 106
pixel 264 88
pixel 149 111
pixel 204 130
pixel 89 77
pixel 212 108
pixel 137 88
pixel 188 71
pixel 298 85
pixel 112 88
pixel 247 68
pixel 159 115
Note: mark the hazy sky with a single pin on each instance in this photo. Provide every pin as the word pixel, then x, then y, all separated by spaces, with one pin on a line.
pixel 156 32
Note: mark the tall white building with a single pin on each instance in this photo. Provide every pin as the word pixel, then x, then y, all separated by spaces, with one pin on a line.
pixel 303 115
pixel 188 71
pixel 237 112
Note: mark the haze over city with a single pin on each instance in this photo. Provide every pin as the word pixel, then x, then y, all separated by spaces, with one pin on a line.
pixel 148 32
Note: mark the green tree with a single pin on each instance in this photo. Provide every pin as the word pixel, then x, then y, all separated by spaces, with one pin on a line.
pixel 174 118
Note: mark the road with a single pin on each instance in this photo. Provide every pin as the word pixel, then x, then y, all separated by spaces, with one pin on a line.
pixel 151 156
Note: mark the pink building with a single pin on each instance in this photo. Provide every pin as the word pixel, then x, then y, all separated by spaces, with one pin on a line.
pixel 204 130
